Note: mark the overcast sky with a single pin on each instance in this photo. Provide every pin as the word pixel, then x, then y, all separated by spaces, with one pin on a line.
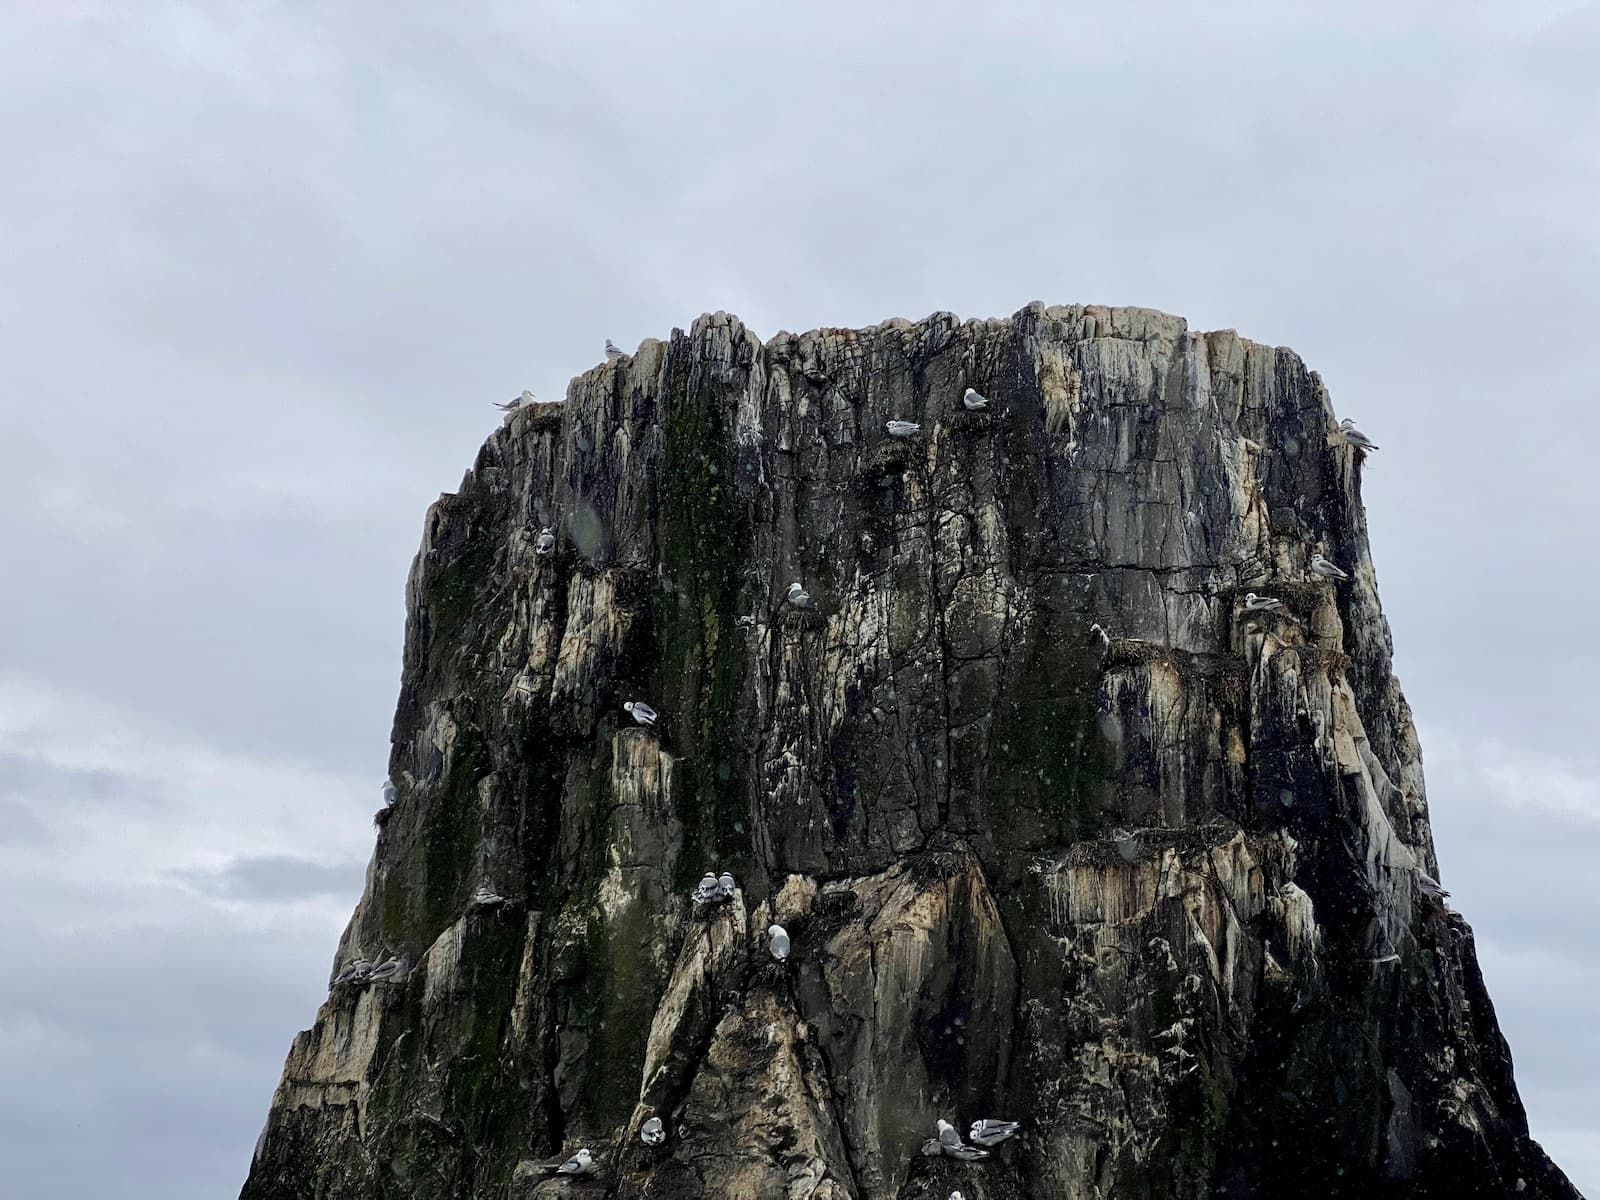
pixel 263 267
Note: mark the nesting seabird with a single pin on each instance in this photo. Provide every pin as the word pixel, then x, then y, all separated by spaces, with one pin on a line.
pixel 989 1132
pixel 641 712
pixel 1101 630
pixel 393 968
pixel 746 622
pixel 1255 603
pixel 725 886
pixel 653 1132
pixel 355 972
pixel 973 402
pixel 798 596
pixel 1354 436
pixel 611 350
pixel 580 1163
pixel 950 1142
pixel 778 942
pixel 902 429
pixel 546 542
pixel 707 889
pixel 957 1196
pixel 390 792
pixel 1431 887
pixel 485 897
pixel 1324 568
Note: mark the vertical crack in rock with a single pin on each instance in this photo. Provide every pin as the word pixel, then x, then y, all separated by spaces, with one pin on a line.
pixel 1155 893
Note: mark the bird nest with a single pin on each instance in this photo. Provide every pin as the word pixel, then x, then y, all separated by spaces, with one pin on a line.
pixel 886 460
pixel 802 620
pixel 971 423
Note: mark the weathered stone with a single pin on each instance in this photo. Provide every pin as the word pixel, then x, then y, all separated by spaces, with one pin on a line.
pixel 1155 894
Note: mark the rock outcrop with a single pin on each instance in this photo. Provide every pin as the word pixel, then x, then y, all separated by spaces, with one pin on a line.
pixel 1157 894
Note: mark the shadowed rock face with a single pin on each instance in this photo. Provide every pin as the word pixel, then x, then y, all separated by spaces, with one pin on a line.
pixel 1128 891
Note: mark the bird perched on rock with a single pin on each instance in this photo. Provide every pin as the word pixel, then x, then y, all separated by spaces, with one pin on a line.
pixel 485 897
pixel 641 712
pixel 391 969
pixel 952 1146
pixel 545 544
pixel 390 792
pixel 957 1196
pixel 707 889
pixel 580 1163
pixel 902 429
pixel 611 350
pixel 653 1132
pixel 778 942
pixel 1431 888
pixel 725 886
pixel 991 1133
pixel 1255 603
pixel 746 622
pixel 1321 566
pixel 973 402
pixel 798 596
pixel 1100 629
pixel 355 972
pixel 511 406
pixel 1354 437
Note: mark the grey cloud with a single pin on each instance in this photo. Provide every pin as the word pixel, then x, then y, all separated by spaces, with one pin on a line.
pixel 278 877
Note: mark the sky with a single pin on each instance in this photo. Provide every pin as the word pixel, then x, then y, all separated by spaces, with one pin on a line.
pixel 264 265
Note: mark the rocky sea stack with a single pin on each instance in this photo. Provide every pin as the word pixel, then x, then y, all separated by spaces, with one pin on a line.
pixel 1161 894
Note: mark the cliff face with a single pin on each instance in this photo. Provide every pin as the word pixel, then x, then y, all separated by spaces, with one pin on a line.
pixel 1157 897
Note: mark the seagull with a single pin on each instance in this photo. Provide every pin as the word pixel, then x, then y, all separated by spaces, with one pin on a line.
pixel 355 972
pixel 394 968
pixel 725 886
pixel 1321 566
pixel 486 897
pixel 546 542
pixel 1101 630
pixel 707 890
pixel 991 1133
pixel 511 406
pixel 611 350
pixel 1430 887
pixel 903 429
pixel 746 622
pixel 778 942
pixel 798 596
pixel 641 712
pixel 1255 603
pixel 973 402
pixel 1354 436
pixel 390 792
pixel 957 1196
pixel 652 1132
pixel 950 1142
pixel 582 1162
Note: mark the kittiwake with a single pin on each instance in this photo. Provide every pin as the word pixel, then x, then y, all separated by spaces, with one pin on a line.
pixel 989 1132
pixel 973 402
pixel 1321 566
pixel 1255 603
pixel 798 596
pixel 1354 436
pixel 778 942
pixel 580 1163
pixel 652 1132
pixel 611 350
pixel 641 712
pixel 902 429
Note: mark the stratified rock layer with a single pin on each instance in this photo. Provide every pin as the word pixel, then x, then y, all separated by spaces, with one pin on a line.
pixel 1155 895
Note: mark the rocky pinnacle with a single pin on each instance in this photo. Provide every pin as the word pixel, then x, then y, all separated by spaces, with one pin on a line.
pixel 1153 889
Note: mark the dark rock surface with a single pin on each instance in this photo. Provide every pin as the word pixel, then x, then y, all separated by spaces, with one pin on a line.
pixel 1138 894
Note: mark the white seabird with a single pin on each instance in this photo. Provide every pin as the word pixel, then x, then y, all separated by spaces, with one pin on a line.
pixel 485 897
pixel 355 972
pixel 653 1132
pixel 1431 887
pixel 902 429
pixel 1101 630
pixel 778 942
pixel 546 542
pixel 641 712
pixel 611 350
pixel 390 792
pixel 1255 603
pixel 725 886
pixel 746 622
pixel 989 1132
pixel 957 1196
pixel 707 889
pixel 580 1163
pixel 1354 436
pixel 950 1142
pixel 973 402
pixel 1321 566
pixel 798 596
pixel 394 968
